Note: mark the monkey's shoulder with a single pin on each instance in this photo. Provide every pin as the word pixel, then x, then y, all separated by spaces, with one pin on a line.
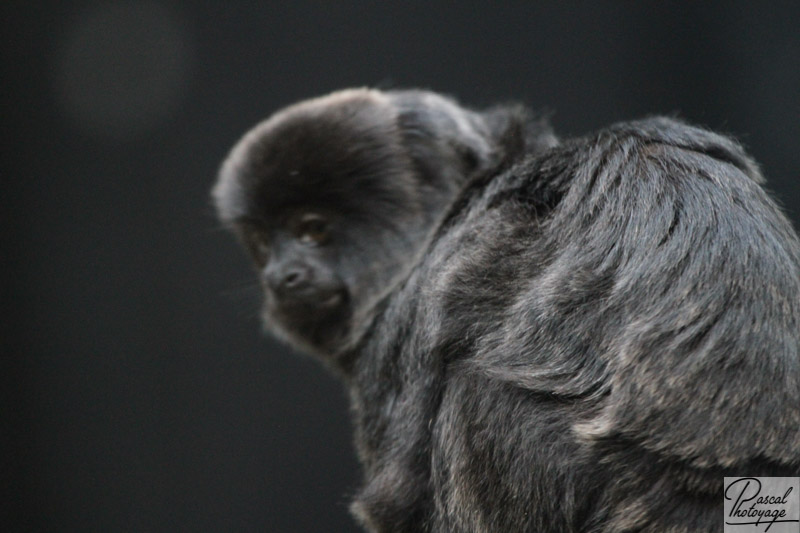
pixel 645 267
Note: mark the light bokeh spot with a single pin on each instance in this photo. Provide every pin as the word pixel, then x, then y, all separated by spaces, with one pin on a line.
pixel 123 68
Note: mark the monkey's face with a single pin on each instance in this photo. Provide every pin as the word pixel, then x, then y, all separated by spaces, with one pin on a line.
pixel 321 269
pixel 335 197
pixel 326 202
pixel 306 300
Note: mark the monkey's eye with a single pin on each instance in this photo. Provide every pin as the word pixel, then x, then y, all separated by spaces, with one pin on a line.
pixel 312 228
pixel 261 252
pixel 257 245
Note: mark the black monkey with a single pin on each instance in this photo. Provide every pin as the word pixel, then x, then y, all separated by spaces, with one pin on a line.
pixel 336 197
pixel 536 335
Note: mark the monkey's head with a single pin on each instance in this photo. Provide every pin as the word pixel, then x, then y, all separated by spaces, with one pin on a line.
pixel 335 198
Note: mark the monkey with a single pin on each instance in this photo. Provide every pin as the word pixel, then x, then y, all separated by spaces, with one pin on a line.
pixel 408 152
pixel 537 334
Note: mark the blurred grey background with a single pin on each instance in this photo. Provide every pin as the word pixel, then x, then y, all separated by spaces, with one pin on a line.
pixel 139 392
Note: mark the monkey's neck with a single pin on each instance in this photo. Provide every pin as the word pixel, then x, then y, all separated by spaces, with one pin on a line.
pixel 394 387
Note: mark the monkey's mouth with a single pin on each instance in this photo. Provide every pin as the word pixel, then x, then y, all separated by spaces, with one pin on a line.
pixel 318 300
pixel 312 317
pixel 319 324
pixel 332 301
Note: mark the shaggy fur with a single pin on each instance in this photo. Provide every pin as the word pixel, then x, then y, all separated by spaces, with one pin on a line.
pixel 537 335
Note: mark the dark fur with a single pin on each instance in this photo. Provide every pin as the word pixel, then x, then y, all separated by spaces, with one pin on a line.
pixel 588 339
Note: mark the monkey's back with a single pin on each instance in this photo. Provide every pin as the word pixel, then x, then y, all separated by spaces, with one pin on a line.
pixel 591 344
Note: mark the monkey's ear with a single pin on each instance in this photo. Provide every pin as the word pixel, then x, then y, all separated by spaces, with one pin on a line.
pixel 664 300
pixel 445 140
pixel 449 144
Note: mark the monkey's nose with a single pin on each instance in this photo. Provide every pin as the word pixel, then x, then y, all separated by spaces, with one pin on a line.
pixel 289 280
